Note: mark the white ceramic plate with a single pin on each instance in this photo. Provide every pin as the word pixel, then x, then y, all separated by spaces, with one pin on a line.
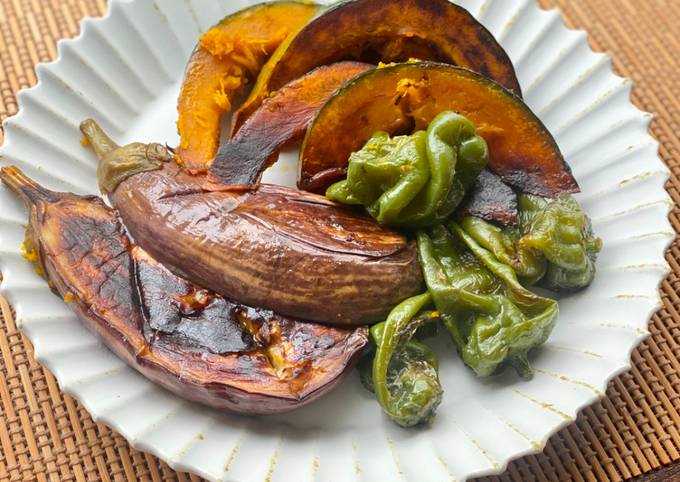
pixel 124 70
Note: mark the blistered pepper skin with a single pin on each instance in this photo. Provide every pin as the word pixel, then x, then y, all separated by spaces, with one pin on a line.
pixel 492 318
pixel 405 371
pixel 529 265
pixel 561 231
pixel 553 244
pixel 386 176
pixel 418 180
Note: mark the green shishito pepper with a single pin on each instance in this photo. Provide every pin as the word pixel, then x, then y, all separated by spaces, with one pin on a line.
pixel 417 180
pixel 554 242
pixel 561 231
pixel 493 320
pixel 476 272
pixel 404 372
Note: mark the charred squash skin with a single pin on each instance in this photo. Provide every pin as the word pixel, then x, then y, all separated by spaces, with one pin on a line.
pixel 285 250
pixel 492 200
pixel 281 120
pixel 192 342
pixel 227 57
pixel 388 31
pixel 404 97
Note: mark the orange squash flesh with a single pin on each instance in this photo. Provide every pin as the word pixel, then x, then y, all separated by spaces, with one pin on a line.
pixel 226 58
pixel 280 121
pixel 404 97
pixel 384 30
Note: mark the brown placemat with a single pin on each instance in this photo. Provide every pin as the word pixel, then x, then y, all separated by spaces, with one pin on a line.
pixel 46 435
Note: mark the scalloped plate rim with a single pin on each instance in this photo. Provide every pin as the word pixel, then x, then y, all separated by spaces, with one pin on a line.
pixel 72 389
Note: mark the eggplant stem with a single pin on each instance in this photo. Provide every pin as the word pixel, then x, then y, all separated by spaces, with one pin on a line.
pixel 97 138
pixel 26 188
pixel 117 163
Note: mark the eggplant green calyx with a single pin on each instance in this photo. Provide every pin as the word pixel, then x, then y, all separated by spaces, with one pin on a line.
pixel 116 163
pixel 417 180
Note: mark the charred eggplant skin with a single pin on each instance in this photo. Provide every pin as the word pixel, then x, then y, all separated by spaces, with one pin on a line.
pixel 85 254
pixel 279 248
pixel 285 250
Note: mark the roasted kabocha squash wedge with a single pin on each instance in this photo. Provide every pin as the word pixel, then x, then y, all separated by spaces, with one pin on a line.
pixel 281 120
pixel 190 341
pixel 387 31
pixel 227 57
pixel 285 250
pixel 405 97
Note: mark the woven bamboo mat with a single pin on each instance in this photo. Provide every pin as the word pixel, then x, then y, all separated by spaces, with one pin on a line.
pixel 45 435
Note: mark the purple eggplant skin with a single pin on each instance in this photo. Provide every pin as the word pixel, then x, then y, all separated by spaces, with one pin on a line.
pixel 285 250
pixel 190 341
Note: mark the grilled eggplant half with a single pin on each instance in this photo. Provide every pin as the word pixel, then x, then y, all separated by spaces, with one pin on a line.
pixel 191 341
pixel 285 250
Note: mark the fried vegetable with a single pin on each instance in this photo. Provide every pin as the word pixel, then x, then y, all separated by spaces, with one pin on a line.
pixel 553 243
pixel 492 318
pixel 405 371
pixel 385 176
pixel 405 97
pixel 561 231
pixel 388 31
pixel 491 199
pixel 226 58
pixel 282 249
pixel 190 341
pixel 417 180
pixel 529 265
pixel 281 120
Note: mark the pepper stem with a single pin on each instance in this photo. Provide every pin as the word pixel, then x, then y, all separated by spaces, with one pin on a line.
pixel 97 138
pixel 520 362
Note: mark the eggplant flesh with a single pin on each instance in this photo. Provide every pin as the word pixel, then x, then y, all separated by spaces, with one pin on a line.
pixel 189 340
pixel 285 250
